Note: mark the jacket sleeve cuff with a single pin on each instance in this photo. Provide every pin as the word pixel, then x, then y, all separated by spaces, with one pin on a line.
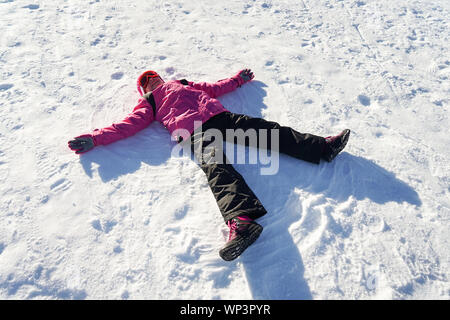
pixel 95 137
pixel 238 79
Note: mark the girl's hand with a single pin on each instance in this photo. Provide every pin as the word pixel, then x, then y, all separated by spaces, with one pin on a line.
pixel 81 144
pixel 246 75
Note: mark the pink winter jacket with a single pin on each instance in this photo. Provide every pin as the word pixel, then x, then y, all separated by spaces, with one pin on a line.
pixel 177 107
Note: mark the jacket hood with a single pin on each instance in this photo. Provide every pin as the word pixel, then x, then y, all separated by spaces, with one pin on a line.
pixel 139 88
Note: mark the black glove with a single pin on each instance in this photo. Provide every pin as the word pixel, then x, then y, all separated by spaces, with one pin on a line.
pixel 246 75
pixel 82 144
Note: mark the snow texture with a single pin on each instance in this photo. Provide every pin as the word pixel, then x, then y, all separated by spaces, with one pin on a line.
pixel 130 221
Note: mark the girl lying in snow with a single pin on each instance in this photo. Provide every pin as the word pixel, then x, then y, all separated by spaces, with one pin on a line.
pixel 191 109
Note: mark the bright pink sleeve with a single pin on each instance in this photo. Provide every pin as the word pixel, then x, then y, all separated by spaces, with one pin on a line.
pixel 140 118
pixel 220 87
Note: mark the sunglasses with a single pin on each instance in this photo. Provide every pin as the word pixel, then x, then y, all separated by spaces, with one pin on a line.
pixel 145 78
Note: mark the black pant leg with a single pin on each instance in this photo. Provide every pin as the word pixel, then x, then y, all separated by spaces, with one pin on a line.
pixel 302 146
pixel 233 196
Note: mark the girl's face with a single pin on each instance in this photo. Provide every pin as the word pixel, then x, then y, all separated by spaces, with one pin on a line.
pixel 153 83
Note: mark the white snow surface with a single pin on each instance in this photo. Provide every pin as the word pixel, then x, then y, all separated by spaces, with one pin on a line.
pixel 130 221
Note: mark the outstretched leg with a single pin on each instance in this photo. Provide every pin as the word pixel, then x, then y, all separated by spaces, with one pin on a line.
pixel 233 196
pixel 302 146
pixel 237 202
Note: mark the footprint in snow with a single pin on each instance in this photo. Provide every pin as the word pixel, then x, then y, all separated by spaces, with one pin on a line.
pixel 60 185
pixel 6 86
pixel 364 100
pixel 117 75
pixel 109 225
pixel 180 213
pixel 117 249
pixel 95 42
pixel 105 227
pixel 32 6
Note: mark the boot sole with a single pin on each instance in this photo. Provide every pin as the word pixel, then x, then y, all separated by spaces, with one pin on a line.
pixel 341 147
pixel 237 247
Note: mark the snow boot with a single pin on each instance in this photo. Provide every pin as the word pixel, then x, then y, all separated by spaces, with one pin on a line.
pixel 243 232
pixel 335 144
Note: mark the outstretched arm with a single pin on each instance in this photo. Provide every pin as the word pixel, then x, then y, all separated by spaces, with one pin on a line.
pixel 224 86
pixel 139 119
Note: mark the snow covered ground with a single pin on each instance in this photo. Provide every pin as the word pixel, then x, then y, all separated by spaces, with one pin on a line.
pixel 129 221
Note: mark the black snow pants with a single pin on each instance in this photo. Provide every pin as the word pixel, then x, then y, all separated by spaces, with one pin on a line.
pixel 233 195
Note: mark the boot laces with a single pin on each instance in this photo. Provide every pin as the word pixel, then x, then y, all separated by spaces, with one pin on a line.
pixel 233 225
pixel 238 224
